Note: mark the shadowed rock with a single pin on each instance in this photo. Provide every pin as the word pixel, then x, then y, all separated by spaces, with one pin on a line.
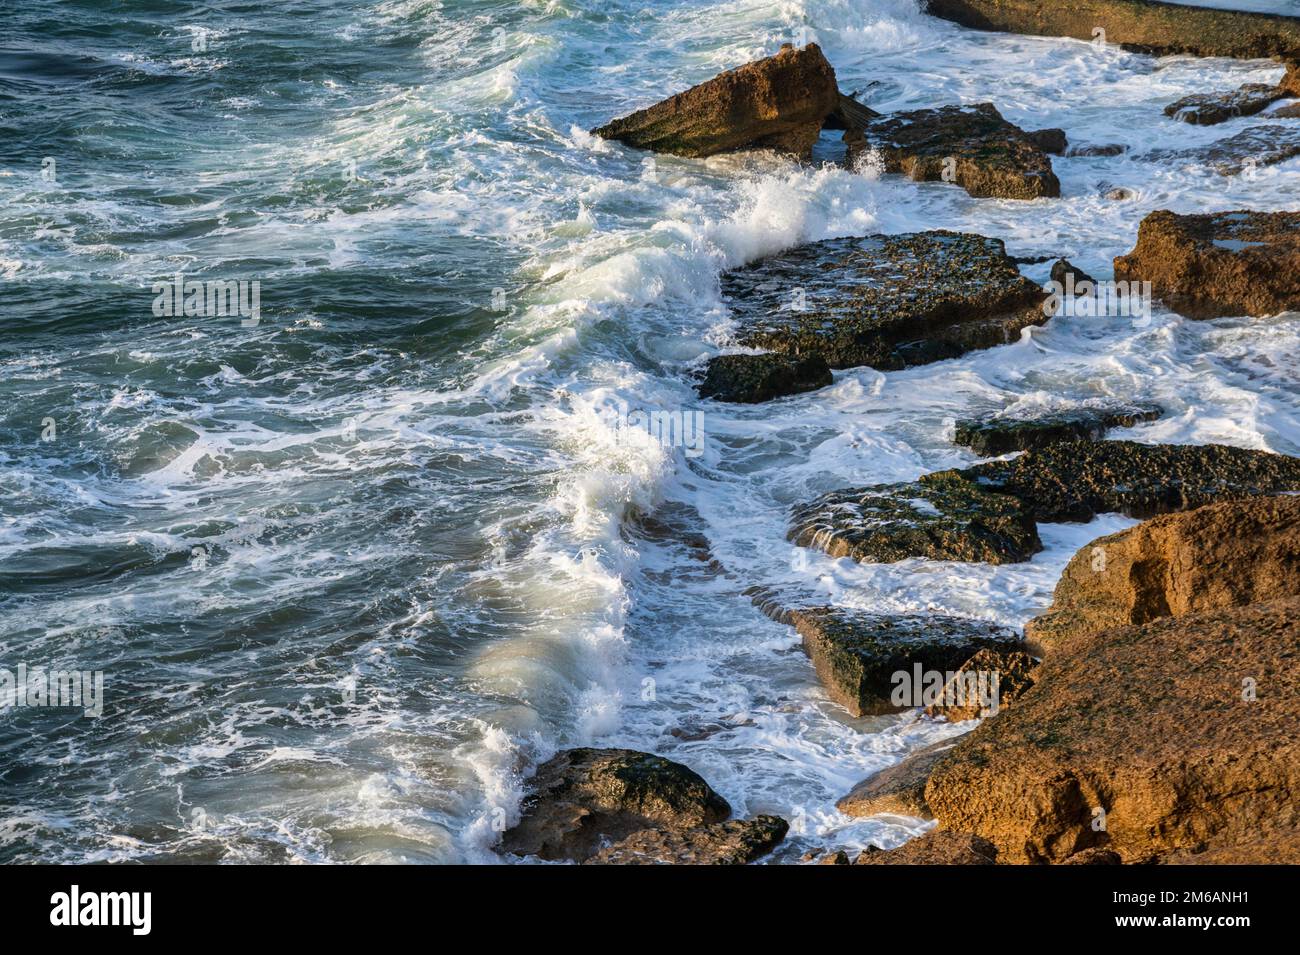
pixel 1076 480
pixel 753 378
pixel 884 301
pixel 1104 149
pixel 1225 263
pixel 777 103
pixel 1223 555
pixel 857 653
pixel 1140 25
pixel 1206 109
pixel 1249 149
pixel 1181 730
pixel 972 146
pixel 950 519
pixel 736 842
pixel 1051 141
pixel 898 789
pixel 935 848
pixel 1291 111
pixel 583 797
pixel 990 437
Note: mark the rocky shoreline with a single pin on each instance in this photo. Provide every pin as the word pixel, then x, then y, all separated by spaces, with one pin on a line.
pixel 1149 714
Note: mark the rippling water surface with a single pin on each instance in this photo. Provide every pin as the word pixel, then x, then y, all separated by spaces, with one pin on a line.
pixel 351 570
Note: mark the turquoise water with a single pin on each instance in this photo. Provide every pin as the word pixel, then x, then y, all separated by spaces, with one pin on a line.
pixel 351 570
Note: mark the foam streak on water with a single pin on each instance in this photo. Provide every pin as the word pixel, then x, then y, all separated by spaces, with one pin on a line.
pixel 351 572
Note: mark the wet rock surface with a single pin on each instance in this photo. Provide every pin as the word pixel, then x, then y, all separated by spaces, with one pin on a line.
pixel 1070 275
pixel 990 437
pixel 950 519
pixel 887 302
pixel 750 379
pixel 1160 28
pixel 736 842
pixel 584 797
pixel 776 103
pixel 1248 150
pixel 897 789
pixel 1207 109
pixel 856 653
pixel 971 146
pixel 1181 730
pixel 935 848
pixel 1223 555
pixel 1076 480
pixel 1226 263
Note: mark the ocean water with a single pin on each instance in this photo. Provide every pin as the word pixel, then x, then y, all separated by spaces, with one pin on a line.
pixel 351 570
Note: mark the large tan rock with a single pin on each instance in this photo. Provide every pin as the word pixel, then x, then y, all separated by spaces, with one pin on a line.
pixel 1223 555
pixel 1225 263
pixel 897 789
pixel 1148 740
pixel 935 848
pixel 1160 28
pixel 777 103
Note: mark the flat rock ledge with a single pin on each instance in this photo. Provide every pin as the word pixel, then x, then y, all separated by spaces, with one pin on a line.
pixel 935 518
pixel 776 103
pixel 1251 149
pixel 1226 263
pixel 1223 555
pixel 857 654
pixel 971 146
pixel 990 437
pixel 1207 109
pixel 581 799
pixel 990 512
pixel 1159 28
pixel 735 842
pixel 887 302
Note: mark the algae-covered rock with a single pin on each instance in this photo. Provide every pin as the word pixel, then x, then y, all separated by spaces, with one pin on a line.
pixel 887 302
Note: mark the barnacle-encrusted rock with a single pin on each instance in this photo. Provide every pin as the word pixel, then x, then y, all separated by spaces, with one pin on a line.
pixel 989 437
pixel 750 379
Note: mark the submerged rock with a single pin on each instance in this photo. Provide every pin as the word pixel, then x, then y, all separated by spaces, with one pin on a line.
pixel 950 519
pixel 884 301
pixel 753 378
pixel 1247 151
pixel 736 842
pixel 1224 263
pixel 1002 674
pixel 1070 275
pixel 583 797
pixel 1160 28
pixel 1076 480
pixel 1224 555
pixel 898 789
pixel 1105 149
pixel 1144 739
pixel 972 146
pixel 1206 109
pixel 935 848
pixel 777 103
pixel 1051 141
pixel 857 653
pixel 990 437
